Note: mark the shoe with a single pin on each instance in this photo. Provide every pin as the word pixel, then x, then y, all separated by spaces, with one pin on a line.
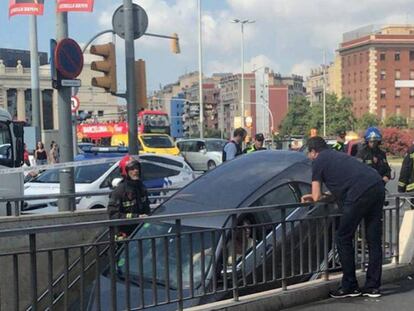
pixel 371 292
pixel 343 293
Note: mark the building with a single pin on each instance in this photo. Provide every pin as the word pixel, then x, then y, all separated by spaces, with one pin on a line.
pixel 315 81
pixel 377 65
pixel 294 82
pixel 177 112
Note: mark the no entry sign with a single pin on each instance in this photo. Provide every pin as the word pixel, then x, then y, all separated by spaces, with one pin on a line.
pixel 74 103
pixel 68 58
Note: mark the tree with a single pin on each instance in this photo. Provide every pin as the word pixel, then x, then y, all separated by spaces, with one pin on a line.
pixel 396 121
pixel 212 133
pixel 396 141
pixel 368 120
pixel 339 115
pixel 297 119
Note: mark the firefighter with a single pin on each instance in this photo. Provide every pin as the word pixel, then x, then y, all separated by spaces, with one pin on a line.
pixel 257 145
pixel 406 181
pixel 130 198
pixel 372 155
pixel 340 141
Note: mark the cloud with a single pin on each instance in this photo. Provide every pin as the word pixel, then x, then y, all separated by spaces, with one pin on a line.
pixel 303 68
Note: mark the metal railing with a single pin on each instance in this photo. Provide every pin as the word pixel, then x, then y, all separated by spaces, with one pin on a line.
pixel 172 263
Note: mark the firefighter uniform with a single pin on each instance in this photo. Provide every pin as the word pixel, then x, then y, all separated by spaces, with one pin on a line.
pixel 406 181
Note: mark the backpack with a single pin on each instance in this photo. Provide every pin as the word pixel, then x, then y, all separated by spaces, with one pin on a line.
pixel 238 152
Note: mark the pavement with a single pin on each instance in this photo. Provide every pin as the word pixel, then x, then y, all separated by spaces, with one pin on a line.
pixel 398 296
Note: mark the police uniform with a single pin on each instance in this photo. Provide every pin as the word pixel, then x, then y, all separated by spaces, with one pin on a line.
pixel 253 148
pixel 339 146
pixel 406 181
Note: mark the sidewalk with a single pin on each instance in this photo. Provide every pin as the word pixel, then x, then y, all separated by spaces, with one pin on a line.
pixel 398 296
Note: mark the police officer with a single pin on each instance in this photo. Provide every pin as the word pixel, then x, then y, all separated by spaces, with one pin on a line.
pixel 371 153
pixel 257 145
pixel 360 192
pixel 233 148
pixel 130 198
pixel 406 181
pixel 340 141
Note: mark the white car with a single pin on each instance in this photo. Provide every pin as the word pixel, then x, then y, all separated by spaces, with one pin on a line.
pixel 202 154
pixel 99 177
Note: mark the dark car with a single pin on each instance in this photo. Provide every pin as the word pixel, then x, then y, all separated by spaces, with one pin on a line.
pixel 257 179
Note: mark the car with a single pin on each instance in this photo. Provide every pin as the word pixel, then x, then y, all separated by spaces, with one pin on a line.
pixel 85 146
pixel 159 171
pixel 202 154
pixel 258 179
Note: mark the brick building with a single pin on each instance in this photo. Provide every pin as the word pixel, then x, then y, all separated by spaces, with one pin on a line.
pixel 372 60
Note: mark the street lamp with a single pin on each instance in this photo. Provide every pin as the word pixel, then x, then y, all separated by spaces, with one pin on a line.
pixel 242 23
pixel 200 71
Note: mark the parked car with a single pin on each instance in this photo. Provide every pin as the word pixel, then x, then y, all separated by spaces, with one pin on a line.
pixel 202 154
pixel 263 178
pixel 99 177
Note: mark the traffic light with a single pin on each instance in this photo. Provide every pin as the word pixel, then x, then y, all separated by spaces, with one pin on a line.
pixel 107 66
pixel 175 44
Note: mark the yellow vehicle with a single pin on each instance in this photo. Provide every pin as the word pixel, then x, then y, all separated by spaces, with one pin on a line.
pixel 151 143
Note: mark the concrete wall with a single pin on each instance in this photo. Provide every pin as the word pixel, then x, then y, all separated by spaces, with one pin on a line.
pixel 43 241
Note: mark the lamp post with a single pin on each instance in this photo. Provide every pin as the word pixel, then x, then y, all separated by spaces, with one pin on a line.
pixel 242 23
pixel 200 71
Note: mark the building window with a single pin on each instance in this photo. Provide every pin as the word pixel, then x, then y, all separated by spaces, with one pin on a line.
pixel 397 56
pixel 360 58
pixel 411 55
pixel 398 110
pixel 355 59
pixel 383 75
pixel 349 60
pixel 349 78
pixel 411 112
pixel 360 76
pixel 382 56
pixel 411 74
pixel 100 113
pixel 397 74
pixel 383 113
pixel 355 74
pixel 397 92
pixel 411 92
pixel 383 93
pixel 360 94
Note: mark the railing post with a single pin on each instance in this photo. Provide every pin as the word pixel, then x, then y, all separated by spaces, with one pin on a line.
pixel 33 270
pixel 233 255
pixel 179 264
pixel 325 243
pixel 397 227
pixel 112 264
pixel 283 216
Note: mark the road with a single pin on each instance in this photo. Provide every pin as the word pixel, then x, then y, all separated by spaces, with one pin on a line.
pixel 397 296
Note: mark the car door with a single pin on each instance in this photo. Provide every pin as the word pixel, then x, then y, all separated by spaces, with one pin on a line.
pixel 193 155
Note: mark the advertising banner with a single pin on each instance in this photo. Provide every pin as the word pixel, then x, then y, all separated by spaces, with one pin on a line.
pixel 26 7
pixel 74 5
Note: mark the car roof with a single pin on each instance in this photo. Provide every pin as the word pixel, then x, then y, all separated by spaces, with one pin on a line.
pixel 231 183
pixel 198 139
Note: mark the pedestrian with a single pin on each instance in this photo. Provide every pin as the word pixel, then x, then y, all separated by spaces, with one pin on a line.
pixel 54 153
pixel 257 145
pixel 340 141
pixel 406 180
pixel 130 198
pixel 360 192
pixel 233 148
pixel 371 154
pixel 40 154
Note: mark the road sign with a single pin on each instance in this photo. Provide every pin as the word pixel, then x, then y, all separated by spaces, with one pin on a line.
pixel 70 83
pixel 74 103
pixel 68 58
pixel 140 21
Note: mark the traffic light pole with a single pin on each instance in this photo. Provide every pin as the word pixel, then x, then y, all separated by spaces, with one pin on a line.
pixel 67 185
pixel 132 108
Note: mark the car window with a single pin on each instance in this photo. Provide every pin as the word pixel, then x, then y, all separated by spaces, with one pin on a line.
pixel 157 141
pixel 215 145
pixel 116 173
pixel 152 171
pixel 281 195
pixel 304 188
pixel 200 145
pixel 162 160
pixel 5 145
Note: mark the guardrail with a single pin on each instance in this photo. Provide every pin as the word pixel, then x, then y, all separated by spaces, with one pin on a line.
pixel 167 262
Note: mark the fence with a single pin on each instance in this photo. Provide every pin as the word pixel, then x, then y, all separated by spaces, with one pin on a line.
pixel 170 262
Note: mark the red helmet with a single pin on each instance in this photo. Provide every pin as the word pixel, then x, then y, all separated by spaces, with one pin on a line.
pixel 126 163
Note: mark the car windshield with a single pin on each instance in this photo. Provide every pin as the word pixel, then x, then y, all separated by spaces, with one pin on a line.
pixel 157 141
pixel 156 120
pixel 168 241
pixel 82 174
pixel 215 145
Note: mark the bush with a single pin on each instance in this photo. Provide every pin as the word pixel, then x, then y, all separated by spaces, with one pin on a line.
pixel 396 141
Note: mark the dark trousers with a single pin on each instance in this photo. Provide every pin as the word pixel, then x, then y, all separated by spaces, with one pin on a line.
pixel 368 207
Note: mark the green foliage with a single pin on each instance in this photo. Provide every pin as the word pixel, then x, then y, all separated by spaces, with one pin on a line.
pixel 368 120
pixel 396 121
pixel 212 133
pixel 296 121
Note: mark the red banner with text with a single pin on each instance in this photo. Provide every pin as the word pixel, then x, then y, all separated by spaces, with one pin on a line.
pixel 26 7
pixel 75 5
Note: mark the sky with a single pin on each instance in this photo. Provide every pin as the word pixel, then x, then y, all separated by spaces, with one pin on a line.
pixel 289 36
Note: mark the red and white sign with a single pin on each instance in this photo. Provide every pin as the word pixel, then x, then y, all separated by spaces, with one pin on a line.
pixel 74 103
pixel 74 6
pixel 26 7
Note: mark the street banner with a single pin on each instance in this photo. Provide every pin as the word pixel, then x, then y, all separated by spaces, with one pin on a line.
pixel 74 5
pixel 25 7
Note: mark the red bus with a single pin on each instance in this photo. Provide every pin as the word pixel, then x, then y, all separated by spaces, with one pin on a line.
pixel 149 121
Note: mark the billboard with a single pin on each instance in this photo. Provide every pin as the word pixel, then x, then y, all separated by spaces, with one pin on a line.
pixel 74 5
pixel 26 7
